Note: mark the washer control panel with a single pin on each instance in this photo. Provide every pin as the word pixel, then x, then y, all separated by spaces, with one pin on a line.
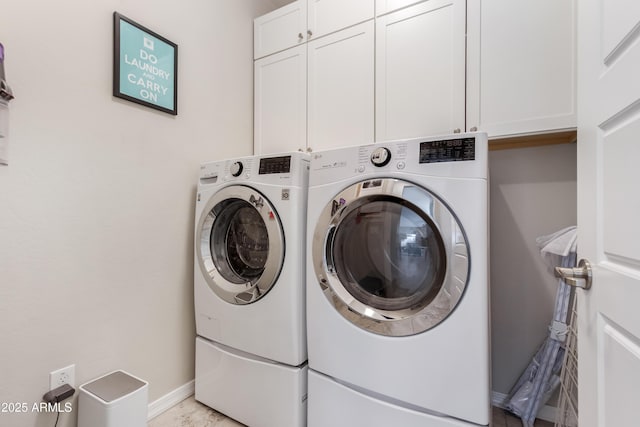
pixel 236 169
pixel 290 170
pixel 269 165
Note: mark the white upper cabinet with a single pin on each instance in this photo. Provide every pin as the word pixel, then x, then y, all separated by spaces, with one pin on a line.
pixel 340 88
pixel 416 68
pixel 386 6
pixel 304 20
pixel 280 101
pixel 316 96
pixel 319 94
pixel 420 70
pixel 521 66
pixel 328 16
pixel 281 29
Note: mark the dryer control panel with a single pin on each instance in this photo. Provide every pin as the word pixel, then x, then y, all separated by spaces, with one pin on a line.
pixel 448 150
pixel 381 156
pixel 459 155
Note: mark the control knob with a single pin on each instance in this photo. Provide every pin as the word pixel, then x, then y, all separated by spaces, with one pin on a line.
pixel 381 156
pixel 236 169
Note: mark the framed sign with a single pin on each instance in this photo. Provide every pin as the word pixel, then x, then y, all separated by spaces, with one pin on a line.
pixel 145 66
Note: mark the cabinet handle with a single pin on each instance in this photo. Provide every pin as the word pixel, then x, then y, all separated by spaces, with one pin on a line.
pixel 456 130
pixel 300 37
pixel 309 33
pixel 473 129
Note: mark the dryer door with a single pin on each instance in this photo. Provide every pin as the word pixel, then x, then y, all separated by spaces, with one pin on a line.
pixel 240 244
pixel 391 257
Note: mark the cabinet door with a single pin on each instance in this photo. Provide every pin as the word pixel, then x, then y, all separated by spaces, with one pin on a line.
pixel 327 16
pixel 280 102
pixel 340 88
pixel 420 70
pixel 386 6
pixel 522 75
pixel 281 29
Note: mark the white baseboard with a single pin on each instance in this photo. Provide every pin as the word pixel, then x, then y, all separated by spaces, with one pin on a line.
pixel 171 399
pixel 547 413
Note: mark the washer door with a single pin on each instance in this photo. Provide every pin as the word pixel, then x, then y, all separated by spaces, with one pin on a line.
pixel 391 257
pixel 240 245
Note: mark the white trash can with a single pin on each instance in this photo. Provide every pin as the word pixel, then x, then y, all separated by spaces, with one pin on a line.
pixel 117 399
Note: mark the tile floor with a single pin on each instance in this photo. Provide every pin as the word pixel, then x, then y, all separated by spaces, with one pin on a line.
pixel 190 413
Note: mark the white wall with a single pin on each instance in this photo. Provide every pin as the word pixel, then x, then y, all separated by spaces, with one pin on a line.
pixel 96 205
pixel 533 193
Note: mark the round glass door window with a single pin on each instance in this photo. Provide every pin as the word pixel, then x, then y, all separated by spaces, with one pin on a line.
pixel 241 245
pixel 240 241
pixel 391 257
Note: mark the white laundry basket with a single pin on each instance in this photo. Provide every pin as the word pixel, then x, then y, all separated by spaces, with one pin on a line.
pixel 117 399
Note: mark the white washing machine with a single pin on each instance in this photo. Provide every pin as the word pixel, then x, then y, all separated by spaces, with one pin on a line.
pixel 249 288
pixel 397 286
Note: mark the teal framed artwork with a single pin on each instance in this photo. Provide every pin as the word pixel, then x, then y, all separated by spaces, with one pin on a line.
pixel 145 66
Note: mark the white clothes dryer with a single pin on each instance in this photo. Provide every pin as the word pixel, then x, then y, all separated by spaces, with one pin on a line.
pixel 249 288
pixel 397 286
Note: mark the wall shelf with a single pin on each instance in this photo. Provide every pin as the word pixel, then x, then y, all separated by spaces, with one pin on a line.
pixel 524 141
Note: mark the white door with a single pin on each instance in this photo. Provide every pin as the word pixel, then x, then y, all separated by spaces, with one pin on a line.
pixel 609 211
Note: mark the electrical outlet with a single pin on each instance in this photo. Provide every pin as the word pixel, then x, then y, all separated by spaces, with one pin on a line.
pixel 66 375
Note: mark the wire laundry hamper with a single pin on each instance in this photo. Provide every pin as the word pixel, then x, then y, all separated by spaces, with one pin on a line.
pixel 567 415
pixel 543 374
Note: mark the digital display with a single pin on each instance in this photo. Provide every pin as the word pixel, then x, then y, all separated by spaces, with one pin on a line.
pixel 448 150
pixel 270 165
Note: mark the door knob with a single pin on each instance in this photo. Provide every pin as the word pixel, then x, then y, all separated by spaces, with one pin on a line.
pixel 579 276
